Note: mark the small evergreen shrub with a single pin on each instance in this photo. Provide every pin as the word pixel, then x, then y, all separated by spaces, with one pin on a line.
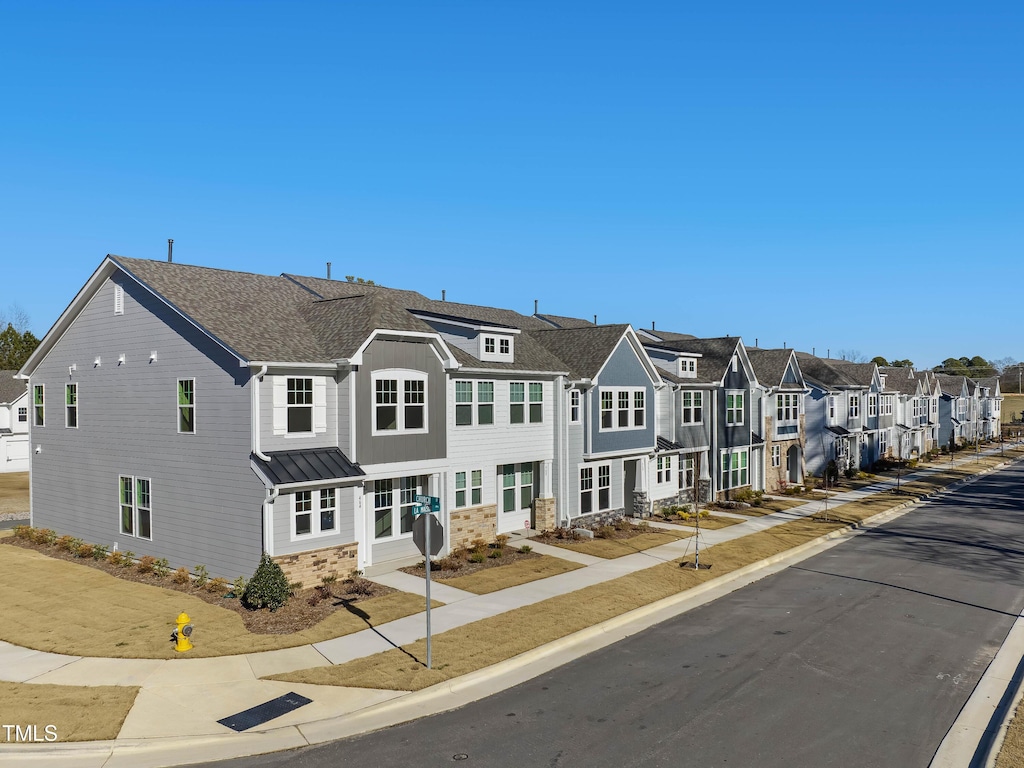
pixel 525 549
pixel 146 563
pixel 202 575
pixel 238 586
pixel 100 551
pixel 114 558
pixel 268 587
pixel 477 557
pixel 127 559
pixel 84 551
pixel 161 567
pixel 217 586
pixel 44 536
pixel 24 532
pixel 182 576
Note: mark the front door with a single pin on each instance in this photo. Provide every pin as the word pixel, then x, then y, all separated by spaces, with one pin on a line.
pixel 793 465
pixel 516 491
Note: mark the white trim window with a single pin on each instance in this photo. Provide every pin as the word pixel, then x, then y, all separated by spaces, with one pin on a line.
pixel 623 408
pixel 400 402
pixel 589 502
pixel 787 407
pixel 734 408
pixel 854 405
pixel 466 405
pixel 23 415
pixel 71 405
pixel 883 442
pixel 307 521
pixel 394 498
pixel 735 468
pixel 693 408
pixel 300 404
pixel 887 405
pixel 574 406
pixel 472 495
pixel 517 410
pixel 831 407
pixel 872 406
pixel 136 506
pixel 776 456
pixel 686 476
pixel 664 473
pixel 38 405
pixel 186 406
pixel 517 486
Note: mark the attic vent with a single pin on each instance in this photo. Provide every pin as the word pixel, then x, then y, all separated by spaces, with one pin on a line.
pixel 118 300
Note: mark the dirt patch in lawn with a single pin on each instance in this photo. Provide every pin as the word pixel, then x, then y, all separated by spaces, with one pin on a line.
pixel 71 709
pixel 511 575
pixel 13 494
pixel 68 600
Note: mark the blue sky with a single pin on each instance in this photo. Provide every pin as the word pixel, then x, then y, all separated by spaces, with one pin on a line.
pixel 836 176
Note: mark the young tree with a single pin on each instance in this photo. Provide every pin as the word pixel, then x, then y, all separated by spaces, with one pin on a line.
pixel 879 360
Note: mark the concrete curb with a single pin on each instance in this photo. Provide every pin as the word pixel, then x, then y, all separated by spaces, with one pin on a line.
pixel 451 694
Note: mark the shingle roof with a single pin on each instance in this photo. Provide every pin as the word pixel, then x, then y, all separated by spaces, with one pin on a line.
pixel 860 373
pixel 825 373
pixel 769 364
pixel 561 321
pixel 582 350
pixel 902 380
pixel 307 466
pixel 951 386
pixel 669 335
pixel 716 354
pixel 10 388
pixel 342 325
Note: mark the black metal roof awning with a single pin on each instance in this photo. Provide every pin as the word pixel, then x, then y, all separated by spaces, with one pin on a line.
pixel 664 444
pixel 312 465
pixel 841 431
pixel 756 439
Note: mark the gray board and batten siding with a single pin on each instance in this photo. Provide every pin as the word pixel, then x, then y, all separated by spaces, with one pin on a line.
pixel 623 369
pixel 734 436
pixel 383 354
pixel 206 500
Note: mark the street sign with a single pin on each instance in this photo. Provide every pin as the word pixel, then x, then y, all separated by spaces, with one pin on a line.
pixel 419 534
pixel 428 503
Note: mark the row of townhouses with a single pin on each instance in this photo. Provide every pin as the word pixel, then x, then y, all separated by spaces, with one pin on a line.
pixel 207 416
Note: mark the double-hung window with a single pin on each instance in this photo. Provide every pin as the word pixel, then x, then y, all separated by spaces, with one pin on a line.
pixel 693 409
pixel 471 495
pixel 787 407
pixel 734 408
pixel 71 406
pixel 574 406
pixel 776 455
pixel 38 405
pixel 887 405
pixel 400 402
pixel 300 405
pixel 854 405
pixel 831 407
pixel 23 415
pixel 623 408
pixel 603 500
pixel 664 469
pixel 734 468
pixel 883 442
pixel 872 406
pixel 686 476
pixel 315 513
pixel 186 406
pixel 136 505
pixel 517 410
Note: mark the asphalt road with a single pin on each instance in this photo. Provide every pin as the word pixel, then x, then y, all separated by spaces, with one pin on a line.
pixel 859 657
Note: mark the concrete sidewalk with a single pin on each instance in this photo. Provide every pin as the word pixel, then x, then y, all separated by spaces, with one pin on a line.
pixel 174 719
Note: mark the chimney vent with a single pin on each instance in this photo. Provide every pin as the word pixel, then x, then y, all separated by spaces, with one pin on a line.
pixel 328 270
pixel 535 306
pixel 595 319
pixel 170 250
pixel 443 293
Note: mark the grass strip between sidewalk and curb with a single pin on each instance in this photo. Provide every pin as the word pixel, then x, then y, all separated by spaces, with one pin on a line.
pixel 512 575
pixel 70 609
pixel 712 523
pixel 75 711
pixel 1011 752
pixel 480 644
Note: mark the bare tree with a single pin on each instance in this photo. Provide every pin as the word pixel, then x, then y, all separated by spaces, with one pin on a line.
pixel 853 356
pixel 15 316
pixel 1002 363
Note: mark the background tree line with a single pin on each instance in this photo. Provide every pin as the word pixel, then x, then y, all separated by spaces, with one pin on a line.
pixel 17 342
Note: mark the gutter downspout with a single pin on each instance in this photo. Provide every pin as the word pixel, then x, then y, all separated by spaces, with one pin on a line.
pixel 272 493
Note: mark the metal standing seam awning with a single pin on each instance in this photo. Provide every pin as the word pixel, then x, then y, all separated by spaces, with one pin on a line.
pixel 312 465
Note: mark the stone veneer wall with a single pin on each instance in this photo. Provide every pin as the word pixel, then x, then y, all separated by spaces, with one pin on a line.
pixel 544 514
pixel 468 523
pixel 310 567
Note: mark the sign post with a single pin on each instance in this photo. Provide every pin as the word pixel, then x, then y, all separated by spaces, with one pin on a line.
pixel 421 528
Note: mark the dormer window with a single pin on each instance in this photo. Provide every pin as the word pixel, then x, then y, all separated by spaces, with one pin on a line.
pixel 496 348
pixel 687 368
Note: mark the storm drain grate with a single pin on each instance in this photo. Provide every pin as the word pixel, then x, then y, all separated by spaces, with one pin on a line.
pixel 263 713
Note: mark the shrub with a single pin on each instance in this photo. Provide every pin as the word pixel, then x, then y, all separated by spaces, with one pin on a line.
pixel 357 585
pixel 604 531
pixel 501 540
pixel 329 579
pixel 478 545
pixel 24 532
pixel 100 551
pixel 202 575
pixel 525 549
pixel 146 563
pixel 182 576
pixel 44 536
pixel 477 557
pixel 268 587
pixel 622 524
pixel 127 559
pixel 84 551
pixel 850 473
pixel 704 514
pixel 114 558
pixel 238 586
pixel 65 543
pixel 450 563
pixel 494 554
pixel 217 586
pixel 161 567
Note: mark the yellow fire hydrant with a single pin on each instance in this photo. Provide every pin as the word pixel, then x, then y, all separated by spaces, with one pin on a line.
pixel 182 633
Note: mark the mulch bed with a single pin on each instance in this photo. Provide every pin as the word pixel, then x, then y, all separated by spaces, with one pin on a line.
pixel 609 532
pixel 458 564
pixel 305 608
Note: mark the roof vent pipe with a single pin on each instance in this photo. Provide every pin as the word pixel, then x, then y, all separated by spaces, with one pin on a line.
pixel 170 250
pixel 595 319
pixel 535 310
pixel 328 270
pixel 783 345
pixel 755 342
pixel 443 292
pixel 812 352
pixel 652 325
